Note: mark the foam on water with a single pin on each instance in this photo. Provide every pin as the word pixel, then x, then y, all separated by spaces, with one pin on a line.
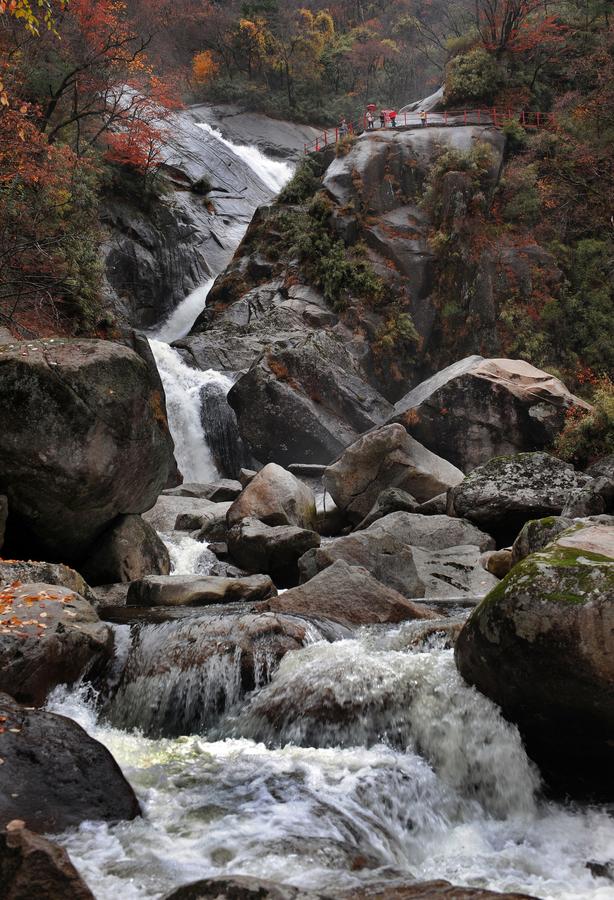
pixel 273 173
pixel 332 817
pixel 182 386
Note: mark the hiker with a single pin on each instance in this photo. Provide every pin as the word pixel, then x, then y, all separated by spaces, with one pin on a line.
pixel 423 117
pixel 382 119
pixel 369 121
pixel 393 118
pixel 343 128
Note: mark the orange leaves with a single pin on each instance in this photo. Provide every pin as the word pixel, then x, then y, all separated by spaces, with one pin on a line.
pixel 204 67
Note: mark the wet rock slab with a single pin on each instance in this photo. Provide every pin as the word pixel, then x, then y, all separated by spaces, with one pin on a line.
pixel 198 590
pixel 348 595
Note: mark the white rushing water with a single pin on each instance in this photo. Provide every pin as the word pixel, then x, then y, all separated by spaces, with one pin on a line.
pixel 183 384
pixel 458 801
pixel 273 173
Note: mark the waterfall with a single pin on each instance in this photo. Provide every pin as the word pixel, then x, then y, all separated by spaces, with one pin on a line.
pixel 273 173
pixel 202 423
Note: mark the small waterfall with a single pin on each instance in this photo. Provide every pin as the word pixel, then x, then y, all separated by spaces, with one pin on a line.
pixel 203 425
pixel 183 386
pixel 348 694
pixel 272 173
pixel 180 676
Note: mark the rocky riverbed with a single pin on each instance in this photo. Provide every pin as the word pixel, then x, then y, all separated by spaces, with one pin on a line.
pixel 273 626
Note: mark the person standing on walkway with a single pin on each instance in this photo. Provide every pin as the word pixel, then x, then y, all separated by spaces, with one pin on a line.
pixel 423 117
pixel 382 119
pixel 369 120
pixel 393 118
pixel 343 127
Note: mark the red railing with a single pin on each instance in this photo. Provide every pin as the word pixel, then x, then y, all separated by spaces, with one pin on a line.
pixel 480 116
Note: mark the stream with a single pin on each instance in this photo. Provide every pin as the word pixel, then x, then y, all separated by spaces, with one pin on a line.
pixel 362 760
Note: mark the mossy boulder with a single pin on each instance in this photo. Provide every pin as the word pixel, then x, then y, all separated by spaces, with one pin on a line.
pixel 540 645
pixel 507 491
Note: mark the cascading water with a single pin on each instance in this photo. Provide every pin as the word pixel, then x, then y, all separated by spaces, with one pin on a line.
pixel 446 791
pixel 184 385
pixel 272 172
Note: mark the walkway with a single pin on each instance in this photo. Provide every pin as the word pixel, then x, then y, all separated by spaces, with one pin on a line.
pixel 451 118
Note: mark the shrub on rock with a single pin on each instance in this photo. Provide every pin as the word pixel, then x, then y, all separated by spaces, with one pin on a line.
pixel 540 645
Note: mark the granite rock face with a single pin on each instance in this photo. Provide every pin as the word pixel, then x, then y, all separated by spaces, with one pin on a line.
pixel 480 408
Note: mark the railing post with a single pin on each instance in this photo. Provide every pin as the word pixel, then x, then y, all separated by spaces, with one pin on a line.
pixel 509 115
pixel 464 117
pixel 445 117
pixel 522 117
pixel 537 115
pixel 479 116
pixel 336 135
pixel 325 138
pixel 494 116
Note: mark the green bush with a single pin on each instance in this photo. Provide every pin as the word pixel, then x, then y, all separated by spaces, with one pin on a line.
pixel 472 77
pixel 522 200
pixel 340 272
pixel 202 186
pixel 305 182
pixel 398 335
pixel 515 134
pixel 588 436
pixel 477 162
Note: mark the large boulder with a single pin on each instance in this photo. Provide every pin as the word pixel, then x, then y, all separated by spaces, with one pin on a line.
pixel 163 516
pixel 198 590
pixel 33 867
pixel 412 571
pixel 540 645
pixel 348 595
pixel 181 675
pixel 54 776
pixel 84 440
pixel 276 550
pixel 383 458
pixel 431 532
pixel 504 493
pixel 48 636
pixel 275 497
pixel 128 550
pixel 479 408
pixel 305 401
pixel 221 491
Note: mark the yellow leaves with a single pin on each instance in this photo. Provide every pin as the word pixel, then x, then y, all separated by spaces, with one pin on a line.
pixel 22 9
pixel 204 67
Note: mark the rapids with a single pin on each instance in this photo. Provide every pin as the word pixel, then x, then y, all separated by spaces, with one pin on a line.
pixel 459 801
